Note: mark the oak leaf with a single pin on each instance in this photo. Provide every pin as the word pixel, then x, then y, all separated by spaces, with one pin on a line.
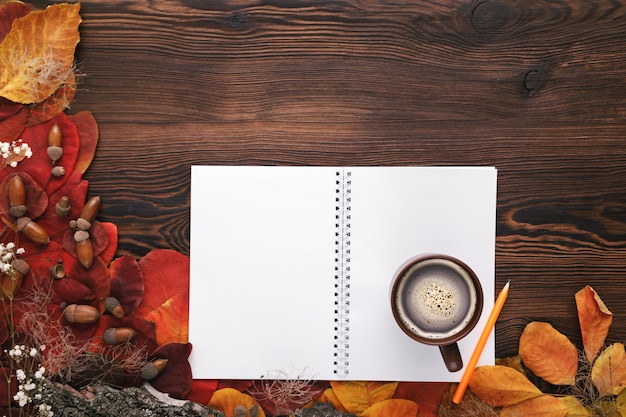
pixel 548 353
pixel 609 370
pixel 595 319
pixel 392 408
pixel 544 406
pixel 227 400
pixel 499 386
pixel 37 55
pixel 357 396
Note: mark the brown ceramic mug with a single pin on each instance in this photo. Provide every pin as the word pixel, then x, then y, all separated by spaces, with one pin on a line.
pixel 437 300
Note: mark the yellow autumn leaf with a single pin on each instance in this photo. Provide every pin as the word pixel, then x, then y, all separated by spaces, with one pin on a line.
pixel 544 406
pixel 358 396
pixel 620 403
pixel 501 386
pixel 609 370
pixel 392 408
pixel 548 354
pixel 514 362
pixel 328 396
pixel 574 407
pixel 229 401
pixel 37 55
pixel 595 319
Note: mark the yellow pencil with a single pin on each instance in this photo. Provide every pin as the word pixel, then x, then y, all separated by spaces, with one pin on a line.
pixel 482 341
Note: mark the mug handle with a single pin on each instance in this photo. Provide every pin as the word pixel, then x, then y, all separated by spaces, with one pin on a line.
pixel 451 357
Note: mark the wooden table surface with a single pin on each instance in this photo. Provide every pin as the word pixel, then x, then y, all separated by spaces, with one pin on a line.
pixel 535 88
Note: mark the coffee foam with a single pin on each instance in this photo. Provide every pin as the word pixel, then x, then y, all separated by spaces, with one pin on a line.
pixel 435 298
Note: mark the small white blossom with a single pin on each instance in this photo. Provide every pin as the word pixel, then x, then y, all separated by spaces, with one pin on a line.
pixel 33 352
pixel 20 375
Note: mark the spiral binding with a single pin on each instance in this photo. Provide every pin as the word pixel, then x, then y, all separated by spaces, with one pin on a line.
pixel 342 272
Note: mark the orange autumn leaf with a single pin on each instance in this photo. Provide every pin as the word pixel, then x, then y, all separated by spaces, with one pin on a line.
pixel 166 296
pixel 329 396
pixel 427 394
pixel 499 386
pixel 609 370
pixel 548 354
pixel 229 400
pixel 544 406
pixel 595 319
pixel 357 396
pixel 392 408
pixel 37 55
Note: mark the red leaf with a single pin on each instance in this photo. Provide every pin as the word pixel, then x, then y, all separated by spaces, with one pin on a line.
pixel 88 132
pixel 175 379
pixel 12 126
pixel 108 253
pixel 72 291
pixel 202 390
pixel 8 108
pixel 427 394
pixel 95 278
pixel 39 166
pixel 145 336
pixel 9 11
pixel 127 283
pixel 166 296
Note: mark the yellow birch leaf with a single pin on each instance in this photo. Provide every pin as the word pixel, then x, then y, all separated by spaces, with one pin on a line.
pixel 595 319
pixel 358 396
pixel 543 406
pixel 227 400
pixel 574 407
pixel 620 403
pixel 548 353
pixel 37 55
pixel 609 370
pixel 392 408
pixel 500 386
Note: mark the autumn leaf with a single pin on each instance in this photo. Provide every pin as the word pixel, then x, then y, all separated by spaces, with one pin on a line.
pixel 12 126
pixel 127 283
pixel 9 11
pixel 392 408
pixel 499 385
pixel 202 390
pixel 88 133
pixel 37 55
pixel 609 370
pixel 357 396
pixel 227 400
pixel 544 406
pixel 54 104
pixel 329 396
pixel 166 295
pixel 176 378
pixel 427 394
pixel 595 319
pixel 548 354
pixel 575 407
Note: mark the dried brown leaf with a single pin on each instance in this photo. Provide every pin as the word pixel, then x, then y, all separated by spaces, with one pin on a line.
pixel 548 353
pixel 595 319
pixel 37 55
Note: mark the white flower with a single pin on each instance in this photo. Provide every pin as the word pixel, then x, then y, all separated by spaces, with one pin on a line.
pixel 10 245
pixel 33 352
pixel 20 375
pixel 40 372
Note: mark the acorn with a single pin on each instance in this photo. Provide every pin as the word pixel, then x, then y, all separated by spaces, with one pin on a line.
pixel 11 282
pixel 81 313
pixel 17 196
pixel 57 271
pixel 113 306
pixel 63 207
pixel 151 369
pixel 117 335
pixel 84 252
pixel 58 171
pixel 90 209
pixel 55 140
pixel 32 230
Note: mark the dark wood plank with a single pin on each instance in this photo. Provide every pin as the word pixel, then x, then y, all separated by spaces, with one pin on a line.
pixel 536 88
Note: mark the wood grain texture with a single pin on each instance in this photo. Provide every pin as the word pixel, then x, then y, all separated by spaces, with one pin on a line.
pixel 535 88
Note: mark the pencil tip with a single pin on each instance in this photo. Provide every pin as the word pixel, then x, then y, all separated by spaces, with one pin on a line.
pixel 507 283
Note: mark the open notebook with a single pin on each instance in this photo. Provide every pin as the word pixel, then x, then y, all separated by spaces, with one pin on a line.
pixel 291 267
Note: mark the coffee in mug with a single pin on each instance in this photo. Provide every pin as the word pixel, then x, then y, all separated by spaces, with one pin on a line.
pixel 437 300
